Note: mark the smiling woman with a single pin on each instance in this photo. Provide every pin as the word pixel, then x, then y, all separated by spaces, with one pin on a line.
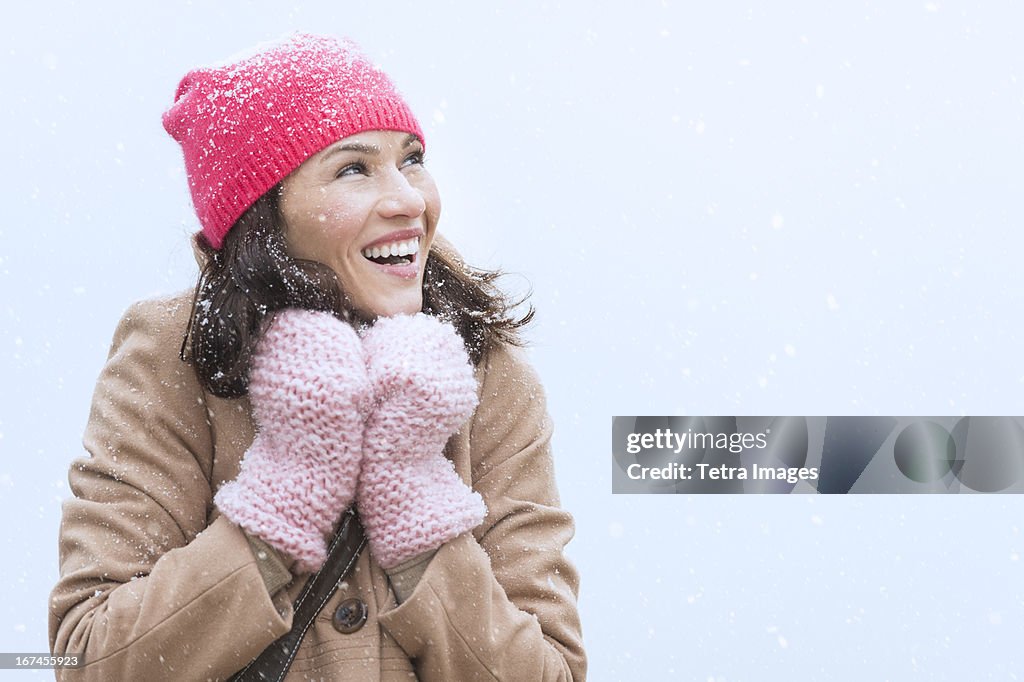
pixel 370 193
pixel 337 367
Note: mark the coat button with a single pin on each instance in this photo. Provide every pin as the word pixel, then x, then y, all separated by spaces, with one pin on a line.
pixel 350 615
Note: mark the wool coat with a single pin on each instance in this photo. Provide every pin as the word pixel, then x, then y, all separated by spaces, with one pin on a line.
pixel 155 584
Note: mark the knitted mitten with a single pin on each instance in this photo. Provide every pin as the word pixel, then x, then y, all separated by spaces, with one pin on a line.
pixel 309 394
pixel 410 499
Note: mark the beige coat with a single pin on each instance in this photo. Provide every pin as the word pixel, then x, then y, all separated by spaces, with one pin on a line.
pixel 155 584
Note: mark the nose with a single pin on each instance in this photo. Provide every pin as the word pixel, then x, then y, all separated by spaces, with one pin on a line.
pixel 400 198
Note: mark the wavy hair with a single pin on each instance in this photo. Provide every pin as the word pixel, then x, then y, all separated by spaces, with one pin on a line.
pixel 241 285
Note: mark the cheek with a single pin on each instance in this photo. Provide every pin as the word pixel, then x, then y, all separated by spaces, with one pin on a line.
pixel 306 237
pixel 326 214
pixel 322 229
pixel 433 201
pixel 338 212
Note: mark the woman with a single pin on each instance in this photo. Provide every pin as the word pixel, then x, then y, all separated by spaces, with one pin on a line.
pixel 337 357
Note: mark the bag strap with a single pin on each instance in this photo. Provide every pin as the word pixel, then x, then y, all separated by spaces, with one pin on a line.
pixel 342 553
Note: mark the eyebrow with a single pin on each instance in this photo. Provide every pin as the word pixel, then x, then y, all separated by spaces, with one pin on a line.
pixel 363 148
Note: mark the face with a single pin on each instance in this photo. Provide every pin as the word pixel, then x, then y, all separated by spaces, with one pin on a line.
pixel 366 207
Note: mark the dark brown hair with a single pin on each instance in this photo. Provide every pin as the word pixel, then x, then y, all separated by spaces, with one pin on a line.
pixel 252 276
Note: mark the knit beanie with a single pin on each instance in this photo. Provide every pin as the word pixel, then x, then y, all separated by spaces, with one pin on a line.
pixel 244 125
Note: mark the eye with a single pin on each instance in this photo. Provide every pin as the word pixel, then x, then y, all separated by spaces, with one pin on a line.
pixel 414 159
pixel 351 169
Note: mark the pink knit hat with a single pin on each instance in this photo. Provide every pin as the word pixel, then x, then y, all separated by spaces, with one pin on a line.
pixel 246 124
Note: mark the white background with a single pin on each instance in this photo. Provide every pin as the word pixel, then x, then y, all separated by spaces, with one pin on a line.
pixel 722 208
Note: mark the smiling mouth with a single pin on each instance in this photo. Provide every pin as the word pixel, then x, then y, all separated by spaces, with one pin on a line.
pixel 396 253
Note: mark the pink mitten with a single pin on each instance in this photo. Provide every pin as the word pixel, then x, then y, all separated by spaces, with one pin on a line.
pixel 310 393
pixel 410 499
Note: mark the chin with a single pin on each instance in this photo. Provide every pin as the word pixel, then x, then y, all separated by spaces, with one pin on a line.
pixel 398 305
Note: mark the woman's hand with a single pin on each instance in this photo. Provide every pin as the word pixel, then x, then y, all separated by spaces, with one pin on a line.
pixel 410 499
pixel 310 392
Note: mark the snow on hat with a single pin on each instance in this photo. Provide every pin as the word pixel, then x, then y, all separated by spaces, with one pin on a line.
pixel 245 124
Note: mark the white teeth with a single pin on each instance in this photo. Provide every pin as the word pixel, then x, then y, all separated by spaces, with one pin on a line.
pixel 406 248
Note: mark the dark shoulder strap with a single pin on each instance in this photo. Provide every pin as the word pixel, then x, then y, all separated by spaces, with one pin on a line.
pixel 344 549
